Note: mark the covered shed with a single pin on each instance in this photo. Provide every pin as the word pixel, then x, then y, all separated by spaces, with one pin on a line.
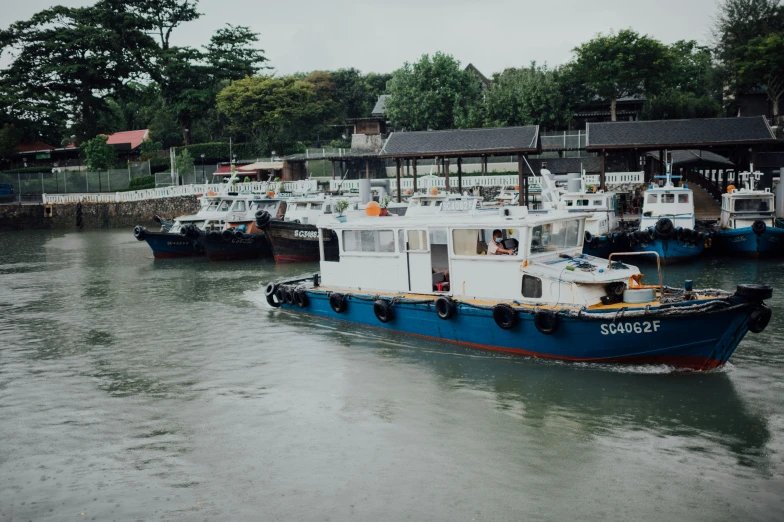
pixel 732 138
pixel 463 143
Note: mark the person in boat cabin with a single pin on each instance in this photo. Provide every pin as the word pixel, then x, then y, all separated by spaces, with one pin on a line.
pixel 494 248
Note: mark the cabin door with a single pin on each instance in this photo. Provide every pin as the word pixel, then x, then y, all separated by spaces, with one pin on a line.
pixel 420 273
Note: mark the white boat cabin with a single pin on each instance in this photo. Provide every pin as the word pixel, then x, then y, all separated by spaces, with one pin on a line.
pixel 742 207
pixel 429 204
pixel 447 253
pixel 307 210
pixel 217 211
pixel 601 206
pixel 675 203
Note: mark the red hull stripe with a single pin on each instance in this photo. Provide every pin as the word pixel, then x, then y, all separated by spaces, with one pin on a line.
pixel 290 258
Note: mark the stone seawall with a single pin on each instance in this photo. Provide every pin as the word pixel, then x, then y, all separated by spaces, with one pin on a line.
pixel 95 215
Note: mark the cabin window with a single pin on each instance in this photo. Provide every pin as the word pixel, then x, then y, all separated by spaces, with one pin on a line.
pixel 652 198
pixel 550 237
pixel 464 242
pixel 532 287
pixel 368 241
pixel 224 206
pixel 683 198
pixel 752 205
pixel 213 205
pixel 569 203
pixel 239 206
pixel 597 202
pixel 417 240
pixel 668 198
pixel 316 206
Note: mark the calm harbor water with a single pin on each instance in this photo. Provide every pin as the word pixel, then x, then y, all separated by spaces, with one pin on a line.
pixel 134 389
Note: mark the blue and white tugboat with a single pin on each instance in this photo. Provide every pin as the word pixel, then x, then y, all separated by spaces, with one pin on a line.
pixel 668 223
pixel 748 220
pixel 516 282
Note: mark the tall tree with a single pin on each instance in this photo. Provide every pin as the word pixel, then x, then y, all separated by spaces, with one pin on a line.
pixel 232 53
pixel 620 65
pixel 434 93
pixel 762 63
pixel 737 23
pixel 273 112
pixel 530 95
pixel 66 58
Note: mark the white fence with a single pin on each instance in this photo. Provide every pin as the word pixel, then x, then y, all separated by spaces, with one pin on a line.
pixel 617 178
pixel 428 182
pixel 294 187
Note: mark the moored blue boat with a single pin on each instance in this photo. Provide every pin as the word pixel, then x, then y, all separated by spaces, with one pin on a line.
pixel 440 278
pixel 748 222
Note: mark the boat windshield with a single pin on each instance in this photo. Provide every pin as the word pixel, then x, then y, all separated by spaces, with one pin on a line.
pixel 753 205
pixel 550 237
pixel 210 205
pixel 224 206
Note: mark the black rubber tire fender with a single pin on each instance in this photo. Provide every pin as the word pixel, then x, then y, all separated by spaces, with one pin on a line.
pixel 184 230
pixel 301 298
pixel 651 232
pixel 588 237
pixel 239 234
pixel 505 316
pixel 228 234
pixel 270 289
pixel 678 233
pixel 759 319
pixel 595 242
pixel 139 232
pixel 338 303
pixel 759 227
pixel 664 228
pixel 280 294
pixel 755 292
pixel 546 322
pixel 214 235
pixel 445 307
pixel 383 310
pixel 289 296
pixel 263 218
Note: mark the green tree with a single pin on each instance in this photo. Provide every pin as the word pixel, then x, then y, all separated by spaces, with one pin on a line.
pixel 65 62
pixel 271 111
pixel 737 23
pixel 232 53
pixel 620 65
pixel 10 137
pixel 434 93
pixel 531 95
pixel 184 163
pixel 673 104
pixel 98 155
pixel 762 63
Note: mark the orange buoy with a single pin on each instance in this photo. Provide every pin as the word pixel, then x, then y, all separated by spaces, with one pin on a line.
pixel 434 191
pixel 373 209
pixel 730 188
pixel 270 193
pixel 408 192
pixel 517 187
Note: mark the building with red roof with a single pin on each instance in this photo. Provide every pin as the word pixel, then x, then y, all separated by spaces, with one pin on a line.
pixel 128 140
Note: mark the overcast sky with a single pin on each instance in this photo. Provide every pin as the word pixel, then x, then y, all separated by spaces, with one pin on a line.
pixel 378 36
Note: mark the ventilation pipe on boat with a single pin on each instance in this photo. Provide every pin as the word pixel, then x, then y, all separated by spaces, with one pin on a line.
pixel 573 182
pixel 364 191
pixel 383 187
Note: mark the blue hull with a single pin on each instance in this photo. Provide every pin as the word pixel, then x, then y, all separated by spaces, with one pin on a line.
pixel 744 241
pixel 604 246
pixel 165 245
pixel 696 341
pixel 670 250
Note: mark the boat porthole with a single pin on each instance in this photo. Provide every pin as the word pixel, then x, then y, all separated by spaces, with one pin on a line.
pixel 445 307
pixel 505 316
pixel 383 310
pixel 546 322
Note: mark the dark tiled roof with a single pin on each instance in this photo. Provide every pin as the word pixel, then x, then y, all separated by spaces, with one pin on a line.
pixel 591 164
pixel 678 133
pixel 696 157
pixel 380 108
pixel 502 140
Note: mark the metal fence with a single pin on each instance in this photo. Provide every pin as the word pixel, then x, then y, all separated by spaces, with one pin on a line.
pixel 70 181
